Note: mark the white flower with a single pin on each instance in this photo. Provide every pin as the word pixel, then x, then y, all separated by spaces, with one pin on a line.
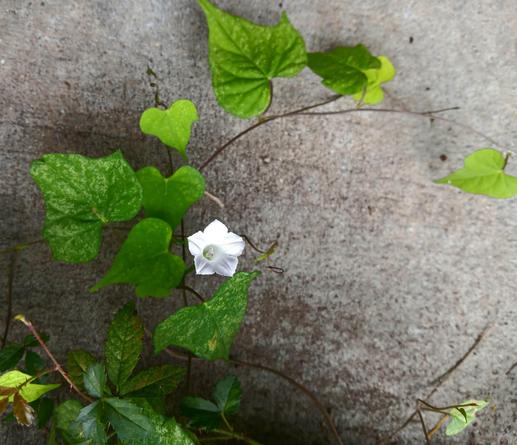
pixel 215 250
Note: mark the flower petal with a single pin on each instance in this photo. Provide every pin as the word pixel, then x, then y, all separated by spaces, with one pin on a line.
pixel 196 243
pixel 215 231
pixel 226 265
pixel 232 244
pixel 203 267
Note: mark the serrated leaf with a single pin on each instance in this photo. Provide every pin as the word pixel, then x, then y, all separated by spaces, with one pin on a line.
pixel 33 362
pixel 23 412
pixel 170 198
pixel 65 416
pixel 95 380
pixel 124 344
pixel 10 355
pixel 374 94
pixel 171 126
pixel 208 329
pixel 154 382
pixel 227 394
pixel 29 391
pixel 92 424
pixel 81 196
pixel 77 363
pixel 344 69
pixel 463 417
pixel 128 420
pixel 145 261
pixel 245 57
pixel 483 174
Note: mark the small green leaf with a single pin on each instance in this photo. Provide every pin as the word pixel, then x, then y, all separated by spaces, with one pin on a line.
pixel 208 329
pixel 77 363
pixel 81 196
pixel 65 416
pixel 43 408
pixel 245 57
pixel 34 363
pixel 29 391
pixel 154 382
pixel 201 413
pixel 483 174
pixel 10 355
pixel 128 420
pixel 171 126
pixel 462 417
pixel 169 199
pixel 91 421
pixel 344 70
pixel 144 260
pixel 227 394
pixel 95 380
pixel 376 77
pixel 124 344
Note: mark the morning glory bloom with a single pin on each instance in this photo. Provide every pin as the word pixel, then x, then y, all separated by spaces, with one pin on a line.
pixel 215 250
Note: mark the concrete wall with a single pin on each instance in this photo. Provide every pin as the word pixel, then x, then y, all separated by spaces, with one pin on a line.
pixel 389 278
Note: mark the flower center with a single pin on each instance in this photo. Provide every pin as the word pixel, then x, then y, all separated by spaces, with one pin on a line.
pixel 210 252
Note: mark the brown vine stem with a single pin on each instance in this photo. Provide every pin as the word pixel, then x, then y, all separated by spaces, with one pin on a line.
pixel 300 386
pixel 9 296
pixel 438 383
pixel 20 246
pixel 56 364
pixel 193 292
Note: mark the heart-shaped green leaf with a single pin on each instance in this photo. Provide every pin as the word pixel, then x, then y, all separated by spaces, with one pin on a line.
pixel 374 94
pixel 344 69
pixel 483 174
pixel 463 417
pixel 81 195
pixel 171 126
pixel 170 198
pixel 245 57
pixel 208 329
pixel 145 261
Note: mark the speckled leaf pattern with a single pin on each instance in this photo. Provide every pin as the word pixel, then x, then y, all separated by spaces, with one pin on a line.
pixel 145 261
pixel 81 195
pixel 77 363
pixel 170 198
pixel 154 382
pixel 458 422
pixel 208 329
pixel 123 345
pixel 245 57
pixel 171 126
pixel 483 174
pixel 343 69
pixel 29 391
pixel 94 380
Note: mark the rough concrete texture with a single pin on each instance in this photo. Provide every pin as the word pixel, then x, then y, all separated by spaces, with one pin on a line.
pixel 388 277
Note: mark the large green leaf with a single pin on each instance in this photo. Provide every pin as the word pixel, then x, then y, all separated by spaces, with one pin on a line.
pixel 77 363
pixel 124 344
pixel 81 196
pixel 153 382
pixel 95 381
pixel 461 419
pixel 128 420
pixel 205 414
pixel 208 329
pixel 10 355
pixel 91 422
pixel 145 261
pixel 171 126
pixel 344 69
pixel 245 57
pixel 374 94
pixel 483 174
pixel 29 391
pixel 170 198
pixel 64 419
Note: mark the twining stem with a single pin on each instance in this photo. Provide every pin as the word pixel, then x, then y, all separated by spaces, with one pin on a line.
pixel 225 420
pixel 20 246
pixel 424 428
pixel 9 296
pixel 237 436
pixel 193 292
pixel 438 425
pixel 57 366
pixel 185 301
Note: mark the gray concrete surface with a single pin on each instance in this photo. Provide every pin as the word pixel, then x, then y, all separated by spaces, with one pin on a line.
pixel 389 278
